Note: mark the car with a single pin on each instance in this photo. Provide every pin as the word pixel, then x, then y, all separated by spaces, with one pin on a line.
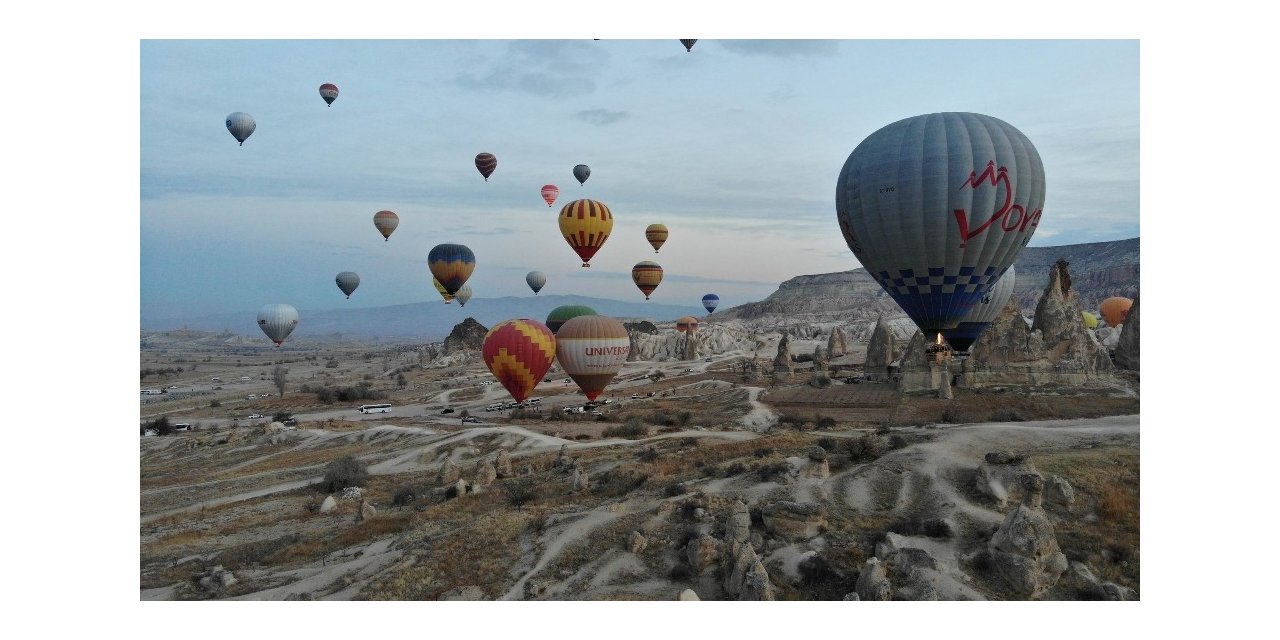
pixel 446 410
pixel 471 419
pixel 636 396
pixel 172 386
pixel 251 396
pixel 256 416
pixel 707 360
pixel 566 381
pixel 546 379
pixel 596 413
pixel 688 370
pixel 605 401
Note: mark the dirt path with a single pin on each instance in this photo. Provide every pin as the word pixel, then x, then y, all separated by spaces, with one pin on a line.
pixel 761 417
pixel 554 542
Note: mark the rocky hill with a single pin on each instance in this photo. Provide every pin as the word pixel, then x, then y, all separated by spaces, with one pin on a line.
pixel 1099 270
pixel 467 335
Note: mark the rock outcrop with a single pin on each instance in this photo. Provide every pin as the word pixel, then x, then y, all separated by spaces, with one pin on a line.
pixel 502 463
pixel 702 552
pixel 217 580
pixel 784 359
pixel 1127 344
pixel 467 335
pixel 328 505
pixel 837 345
pixel 873 582
pixel 738 529
pixel 881 351
pixel 366 511
pixel 1058 316
pixel 636 542
pixel 1024 550
pixel 688 595
pixel 485 474
pixel 1000 475
pixel 1058 492
pixel 793 520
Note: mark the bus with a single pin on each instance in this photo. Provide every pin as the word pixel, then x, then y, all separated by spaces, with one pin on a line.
pixel 375 408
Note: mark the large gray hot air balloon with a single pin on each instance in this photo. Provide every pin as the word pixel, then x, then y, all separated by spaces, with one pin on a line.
pixel 277 321
pixel 581 173
pixel 241 126
pixel 537 280
pixel 981 315
pixel 348 281
pixel 937 207
pixel 463 295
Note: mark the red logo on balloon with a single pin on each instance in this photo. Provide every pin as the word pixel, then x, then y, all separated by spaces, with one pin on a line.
pixel 1011 216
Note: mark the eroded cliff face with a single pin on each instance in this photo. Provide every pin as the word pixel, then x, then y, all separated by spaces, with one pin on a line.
pixel 467 335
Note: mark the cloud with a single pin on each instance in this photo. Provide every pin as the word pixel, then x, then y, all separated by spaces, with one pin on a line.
pixel 782 48
pixel 601 117
pixel 544 68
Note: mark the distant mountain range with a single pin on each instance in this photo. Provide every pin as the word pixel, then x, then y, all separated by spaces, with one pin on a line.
pixel 1098 271
pixel 430 321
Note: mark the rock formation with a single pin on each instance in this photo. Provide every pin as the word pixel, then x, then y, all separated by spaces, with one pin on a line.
pixel 881 351
pixel 739 525
pixel 1059 492
pixel 873 582
pixel 447 474
pixel 690 351
pixel 793 520
pixel 636 542
pixel 1024 550
pixel 580 480
pixel 1058 319
pixel 1127 345
pixel 502 463
pixel 688 595
pixel 328 505
pixel 485 474
pixel 467 335
pixel 783 360
pixel 365 512
pixel 820 359
pixel 836 344
pixel 1000 475
pixel 703 552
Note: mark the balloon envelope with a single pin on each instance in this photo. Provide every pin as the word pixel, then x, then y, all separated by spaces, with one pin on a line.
pixel 519 353
pixel 451 264
pixel 1090 320
pixel 585 225
pixel 647 275
pixel 564 313
pixel 329 92
pixel 981 315
pixel 347 282
pixel 710 301
pixel 549 193
pixel 386 222
pixel 687 324
pixel 277 321
pixel 937 207
pixel 463 295
pixel 656 234
pixel 536 281
pixel 592 349
pixel 581 173
pixel 1114 310
pixel 688 44
pixel 241 126
pixel 444 293
pixel 486 163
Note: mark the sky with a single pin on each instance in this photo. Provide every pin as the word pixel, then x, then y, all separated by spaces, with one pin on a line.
pixel 734 146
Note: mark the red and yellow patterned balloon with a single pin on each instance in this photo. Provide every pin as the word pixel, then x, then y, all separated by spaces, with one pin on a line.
pixel 518 353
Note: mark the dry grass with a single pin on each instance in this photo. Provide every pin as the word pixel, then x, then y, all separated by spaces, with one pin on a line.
pixel 296 459
pixel 181 538
pixel 1106 482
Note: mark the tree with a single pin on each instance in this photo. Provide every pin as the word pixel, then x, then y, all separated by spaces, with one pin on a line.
pixel 401 381
pixel 280 376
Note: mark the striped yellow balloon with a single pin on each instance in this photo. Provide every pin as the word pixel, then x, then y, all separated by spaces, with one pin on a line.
pixel 656 234
pixel 585 225
pixel 646 275
pixel 444 293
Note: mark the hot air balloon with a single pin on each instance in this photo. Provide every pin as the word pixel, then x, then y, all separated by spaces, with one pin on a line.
pixel 582 172
pixel 463 295
pixel 451 264
pixel 688 44
pixel 564 313
pixel 386 222
pixel 536 280
pixel 444 293
pixel 1114 310
pixel 585 225
pixel 347 282
pixel 486 163
pixel 277 321
pixel 656 234
pixel 647 275
pixel 937 207
pixel 241 126
pixel 687 324
pixel 591 350
pixel 549 193
pixel 519 353
pixel 1090 320
pixel 981 315
pixel 710 301
pixel 329 92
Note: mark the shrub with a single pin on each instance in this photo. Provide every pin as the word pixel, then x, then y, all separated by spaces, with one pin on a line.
pixel 633 428
pixel 883 430
pixel 674 490
pixel 933 528
pixel 735 469
pixel 582 436
pixel 160 425
pixel 648 454
pixel 949 416
pixel 865 448
pixel 344 472
pixel 683 418
pixel 215 403
pixel 821 381
pixel 827 443
pixel 763 452
pixel 1006 415
pixel 774 471
pixel 520 491
pixel 825 422
pixel 404 496
pixel 662 419
pixel 897 442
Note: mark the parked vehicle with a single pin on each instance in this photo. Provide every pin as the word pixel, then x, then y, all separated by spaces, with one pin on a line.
pixel 446 410
pixel 256 416
pixel 471 419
